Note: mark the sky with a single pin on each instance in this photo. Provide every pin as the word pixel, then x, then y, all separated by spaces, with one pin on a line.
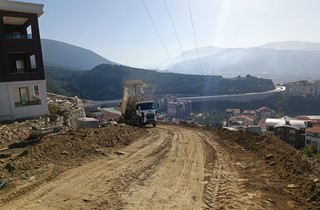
pixel 121 30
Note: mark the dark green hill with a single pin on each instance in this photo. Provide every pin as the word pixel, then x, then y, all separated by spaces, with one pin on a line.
pixel 105 82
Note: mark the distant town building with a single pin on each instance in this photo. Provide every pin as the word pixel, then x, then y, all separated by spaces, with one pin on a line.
pixel 313 137
pixel 233 112
pixel 290 130
pixel 250 113
pixel 241 120
pixel 311 119
pixel 264 113
pixel 291 134
pixel 254 129
pixel 180 109
pixel 22 80
pixel 303 88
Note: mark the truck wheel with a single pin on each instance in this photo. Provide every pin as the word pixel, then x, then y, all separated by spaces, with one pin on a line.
pixel 154 124
pixel 138 123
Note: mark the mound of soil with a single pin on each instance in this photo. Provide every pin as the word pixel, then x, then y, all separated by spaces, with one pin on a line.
pixel 54 154
pixel 290 168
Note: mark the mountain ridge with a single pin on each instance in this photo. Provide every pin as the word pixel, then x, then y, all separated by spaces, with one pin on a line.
pixel 105 82
pixel 254 60
pixel 62 54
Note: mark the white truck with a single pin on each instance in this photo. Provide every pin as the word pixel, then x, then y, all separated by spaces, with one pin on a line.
pixel 134 109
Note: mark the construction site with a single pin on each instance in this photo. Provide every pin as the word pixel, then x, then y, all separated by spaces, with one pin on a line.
pixel 68 161
pixel 167 167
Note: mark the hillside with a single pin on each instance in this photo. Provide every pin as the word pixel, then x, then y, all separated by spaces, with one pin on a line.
pixel 292 45
pixel 65 55
pixel 105 82
pixel 254 61
pixel 279 61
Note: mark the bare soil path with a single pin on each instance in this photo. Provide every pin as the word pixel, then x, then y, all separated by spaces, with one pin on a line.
pixel 170 168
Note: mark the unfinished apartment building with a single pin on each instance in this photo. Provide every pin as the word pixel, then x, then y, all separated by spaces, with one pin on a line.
pixel 22 78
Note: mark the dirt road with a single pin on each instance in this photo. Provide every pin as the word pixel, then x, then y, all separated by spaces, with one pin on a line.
pixel 171 168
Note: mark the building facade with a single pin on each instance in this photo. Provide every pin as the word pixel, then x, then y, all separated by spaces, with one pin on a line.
pixel 264 113
pixel 241 120
pixel 303 88
pixel 313 137
pixel 22 79
pixel 290 134
pixel 290 130
pixel 180 109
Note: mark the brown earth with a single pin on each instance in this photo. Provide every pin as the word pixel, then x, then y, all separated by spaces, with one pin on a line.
pixel 168 167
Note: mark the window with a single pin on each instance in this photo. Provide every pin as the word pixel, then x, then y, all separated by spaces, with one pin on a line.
pixel 292 139
pixel 33 63
pixel 36 93
pixel 36 90
pixel 315 145
pixel 308 142
pixel 24 95
pixel 280 130
pixel 29 32
pixel 291 131
pixel 20 65
pixel 16 35
pixel 145 106
pixel 27 96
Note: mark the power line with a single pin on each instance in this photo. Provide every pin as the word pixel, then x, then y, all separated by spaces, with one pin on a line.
pixel 164 47
pixel 194 34
pixel 175 32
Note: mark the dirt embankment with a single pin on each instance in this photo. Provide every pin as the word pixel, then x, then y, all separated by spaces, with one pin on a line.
pixel 287 176
pixel 28 166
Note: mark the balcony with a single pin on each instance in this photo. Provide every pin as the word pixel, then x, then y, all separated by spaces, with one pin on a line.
pixel 27 103
pixel 23 71
pixel 18 36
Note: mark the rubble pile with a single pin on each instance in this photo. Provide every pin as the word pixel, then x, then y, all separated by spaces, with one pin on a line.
pixel 65 103
pixel 70 108
pixel 64 112
pixel 19 131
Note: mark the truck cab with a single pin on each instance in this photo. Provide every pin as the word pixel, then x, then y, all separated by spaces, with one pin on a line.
pixel 134 108
pixel 146 112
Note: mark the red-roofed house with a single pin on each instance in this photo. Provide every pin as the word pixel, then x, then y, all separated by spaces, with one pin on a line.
pixel 313 137
pixel 233 112
pixel 264 113
pixel 242 120
pixel 312 119
pixel 250 113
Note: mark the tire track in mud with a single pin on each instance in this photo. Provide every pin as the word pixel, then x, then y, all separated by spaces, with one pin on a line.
pixel 142 170
pixel 223 186
pixel 177 182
